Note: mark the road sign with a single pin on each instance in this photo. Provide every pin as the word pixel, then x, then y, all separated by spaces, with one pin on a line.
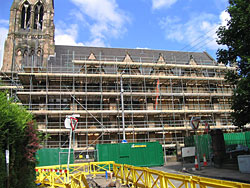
pixel 67 123
pixel 71 121
pixel 195 121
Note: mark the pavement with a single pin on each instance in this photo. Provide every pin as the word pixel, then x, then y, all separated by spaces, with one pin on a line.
pixel 101 181
pixel 210 172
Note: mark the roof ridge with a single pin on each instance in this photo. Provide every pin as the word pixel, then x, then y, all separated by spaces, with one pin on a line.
pixel 120 48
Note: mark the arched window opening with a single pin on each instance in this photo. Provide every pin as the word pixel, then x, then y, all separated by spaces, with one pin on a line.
pixel 39 52
pixel 39 57
pixel 18 59
pixel 32 53
pixel 25 57
pixel 38 18
pixel 26 13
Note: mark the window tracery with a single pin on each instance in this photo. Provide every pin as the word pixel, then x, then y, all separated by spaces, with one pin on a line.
pixel 38 17
pixel 26 14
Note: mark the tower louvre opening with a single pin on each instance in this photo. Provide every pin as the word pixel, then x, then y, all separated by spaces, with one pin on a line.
pixel 26 14
pixel 38 18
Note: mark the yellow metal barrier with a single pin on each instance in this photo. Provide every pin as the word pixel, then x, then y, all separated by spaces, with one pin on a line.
pixel 118 171
pixel 145 177
pixel 52 177
pixel 100 167
pixel 58 176
pixel 78 180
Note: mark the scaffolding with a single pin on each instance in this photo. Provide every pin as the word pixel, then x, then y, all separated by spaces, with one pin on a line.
pixel 160 97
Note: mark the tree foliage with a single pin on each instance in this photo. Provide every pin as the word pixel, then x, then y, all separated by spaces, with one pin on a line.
pixel 236 37
pixel 18 132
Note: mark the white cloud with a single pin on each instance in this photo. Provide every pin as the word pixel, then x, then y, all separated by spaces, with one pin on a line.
pixel 199 32
pixel 224 18
pixel 158 4
pixel 139 48
pixel 66 35
pixel 3 36
pixel 4 22
pixel 96 42
pixel 77 14
pixel 105 19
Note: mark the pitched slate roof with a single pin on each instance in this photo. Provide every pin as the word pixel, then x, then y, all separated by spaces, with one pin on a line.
pixel 65 54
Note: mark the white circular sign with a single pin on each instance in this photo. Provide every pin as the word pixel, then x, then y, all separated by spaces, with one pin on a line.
pixel 67 123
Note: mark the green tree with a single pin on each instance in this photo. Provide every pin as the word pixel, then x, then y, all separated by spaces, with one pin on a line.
pixel 18 133
pixel 236 37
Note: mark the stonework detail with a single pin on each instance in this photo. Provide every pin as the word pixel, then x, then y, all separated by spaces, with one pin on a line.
pixel 30 39
pixel 161 59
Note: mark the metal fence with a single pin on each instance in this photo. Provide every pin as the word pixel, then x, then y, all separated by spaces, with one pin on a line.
pixel 75 177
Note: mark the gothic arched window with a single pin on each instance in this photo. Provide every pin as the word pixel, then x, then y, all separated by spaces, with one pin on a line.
pixel 26 13
pixel 38 18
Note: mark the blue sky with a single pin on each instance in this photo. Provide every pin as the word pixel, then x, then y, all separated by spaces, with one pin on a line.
pixel 186 25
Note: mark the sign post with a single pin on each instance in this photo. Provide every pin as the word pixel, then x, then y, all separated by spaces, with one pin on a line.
pixel 71 123
pixel 123 118
pixel 195 121
pixel 7 158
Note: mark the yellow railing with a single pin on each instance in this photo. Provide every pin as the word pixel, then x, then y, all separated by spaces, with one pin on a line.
pixel 145 177
pixel 58 176
pixel 52 177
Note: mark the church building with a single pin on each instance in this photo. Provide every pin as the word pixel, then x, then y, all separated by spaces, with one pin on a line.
pixel 153 94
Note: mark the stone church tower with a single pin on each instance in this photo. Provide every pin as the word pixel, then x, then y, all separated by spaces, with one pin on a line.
pixel 30 40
